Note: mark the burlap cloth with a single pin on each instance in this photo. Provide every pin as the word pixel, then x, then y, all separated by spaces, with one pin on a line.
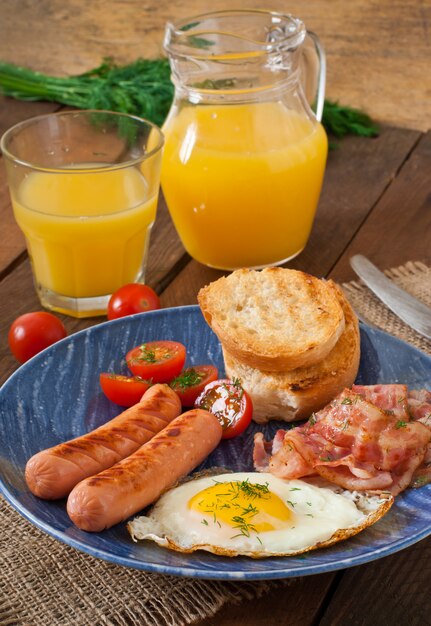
pixel 43 582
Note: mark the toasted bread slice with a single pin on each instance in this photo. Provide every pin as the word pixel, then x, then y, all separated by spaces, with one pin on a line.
pixel 274 319
pixel 295 394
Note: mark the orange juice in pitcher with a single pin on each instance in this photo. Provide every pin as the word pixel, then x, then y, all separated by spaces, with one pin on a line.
pixel 244 154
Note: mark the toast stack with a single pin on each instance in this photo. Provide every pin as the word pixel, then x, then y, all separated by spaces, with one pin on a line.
pixel 291 338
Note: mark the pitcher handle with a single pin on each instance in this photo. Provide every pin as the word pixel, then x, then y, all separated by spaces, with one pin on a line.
pixel 314 73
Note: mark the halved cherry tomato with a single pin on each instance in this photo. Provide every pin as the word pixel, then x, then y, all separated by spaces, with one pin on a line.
pixel 159 360
pixel 230 403
pixel 191 382
pixel 32 332
pixel 123 390
pixel 132 298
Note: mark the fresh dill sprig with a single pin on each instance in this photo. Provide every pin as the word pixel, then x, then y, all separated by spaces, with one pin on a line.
pixel 340 120
pixel 188 378
pixel 243 525
pixel 141 88
pixel 146 354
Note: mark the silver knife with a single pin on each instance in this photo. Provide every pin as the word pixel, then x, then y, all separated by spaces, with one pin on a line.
pixel 411 310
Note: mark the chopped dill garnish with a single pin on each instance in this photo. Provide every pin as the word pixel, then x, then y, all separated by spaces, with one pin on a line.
pixel 145 354
pixel 188 378
pixel 243 526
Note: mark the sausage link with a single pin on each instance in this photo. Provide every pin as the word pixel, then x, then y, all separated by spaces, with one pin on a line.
pixel 52 473
pixel 129 486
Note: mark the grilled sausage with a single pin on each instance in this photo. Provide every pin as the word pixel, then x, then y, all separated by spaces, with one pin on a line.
pixel 113 495
pixel 52 473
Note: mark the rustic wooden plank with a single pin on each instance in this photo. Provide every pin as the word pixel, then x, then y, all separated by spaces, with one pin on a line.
pixel 13 111
pixel 390 236
pixel 166 250
pixel 357 174
pixel 393 590
pixel 378 52
pixel 295 604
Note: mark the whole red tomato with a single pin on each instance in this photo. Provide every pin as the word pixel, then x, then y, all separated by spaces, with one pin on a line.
pixel 130 299
pixel 32 332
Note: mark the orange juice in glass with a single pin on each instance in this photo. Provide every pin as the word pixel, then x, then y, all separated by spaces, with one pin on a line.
pixel 84 189
pixel 245 155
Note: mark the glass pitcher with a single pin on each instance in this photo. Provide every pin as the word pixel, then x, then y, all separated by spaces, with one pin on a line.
pixel 244 154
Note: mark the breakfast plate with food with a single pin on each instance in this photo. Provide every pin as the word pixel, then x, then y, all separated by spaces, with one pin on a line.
pixel 270 436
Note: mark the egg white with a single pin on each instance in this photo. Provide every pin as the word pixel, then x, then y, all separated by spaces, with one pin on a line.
pixel 318 517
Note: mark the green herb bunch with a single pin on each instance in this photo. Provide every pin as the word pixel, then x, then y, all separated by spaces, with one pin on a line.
pixel 141 88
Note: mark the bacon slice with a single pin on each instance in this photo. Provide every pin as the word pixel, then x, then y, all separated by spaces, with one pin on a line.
pixel 390 398
pixel 262 452
pixel 406 405
pixel 363 440
pixel 419 403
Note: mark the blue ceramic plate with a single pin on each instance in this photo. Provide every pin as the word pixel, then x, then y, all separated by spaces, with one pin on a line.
pixel 56 396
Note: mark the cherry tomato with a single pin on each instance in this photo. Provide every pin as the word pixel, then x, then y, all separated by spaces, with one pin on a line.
pixel 191 382
pixel 159 360
pixel 230 403
pixel 32 332
pixel 123 390
pixel 132 298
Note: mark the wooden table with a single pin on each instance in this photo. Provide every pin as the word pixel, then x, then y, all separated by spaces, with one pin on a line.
pixel 376 200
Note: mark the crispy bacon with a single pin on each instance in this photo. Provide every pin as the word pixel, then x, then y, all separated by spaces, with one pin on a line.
pixel 363 440
pixel 419 403
pixel 262 453
pixel 389 398
pixel 407 405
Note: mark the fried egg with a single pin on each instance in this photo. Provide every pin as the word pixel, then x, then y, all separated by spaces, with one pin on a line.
pixel 255 514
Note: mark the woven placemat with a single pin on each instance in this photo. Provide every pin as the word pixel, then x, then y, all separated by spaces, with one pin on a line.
pixel 414 277
pixel 44 582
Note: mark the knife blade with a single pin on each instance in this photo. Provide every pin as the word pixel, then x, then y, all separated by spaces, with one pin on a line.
pixel 408 308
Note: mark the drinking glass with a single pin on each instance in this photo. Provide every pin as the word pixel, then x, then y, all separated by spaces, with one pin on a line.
pixel 84 188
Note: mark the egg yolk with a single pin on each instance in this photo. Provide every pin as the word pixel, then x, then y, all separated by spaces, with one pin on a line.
pixel 246 507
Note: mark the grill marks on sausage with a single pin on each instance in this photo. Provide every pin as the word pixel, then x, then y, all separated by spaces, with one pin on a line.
pixel 129 486
pixel 49 473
